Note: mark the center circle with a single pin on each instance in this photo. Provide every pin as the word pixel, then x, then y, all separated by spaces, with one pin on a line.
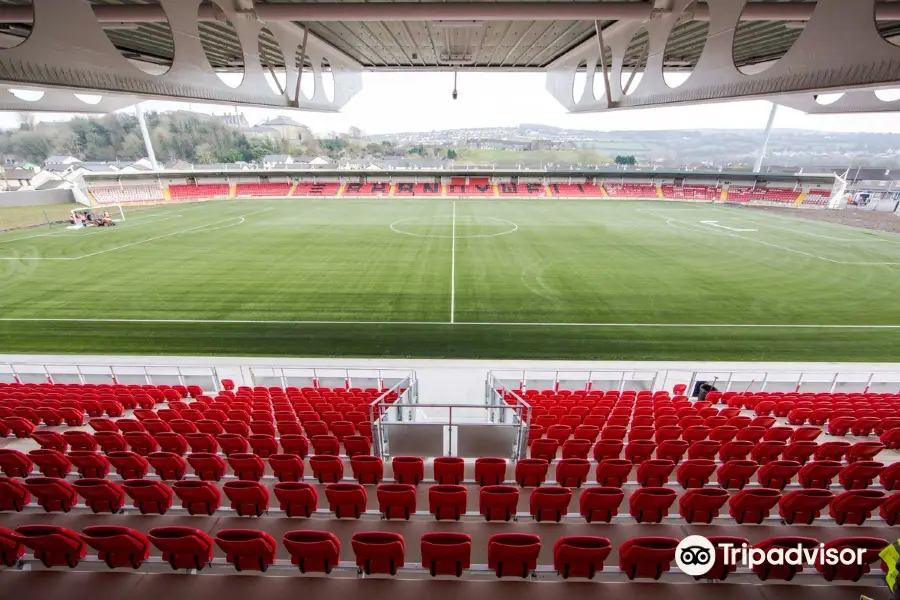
pixel 442 227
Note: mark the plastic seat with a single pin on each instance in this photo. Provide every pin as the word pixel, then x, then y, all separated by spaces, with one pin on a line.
pixel 294 444
pixel 654 472
pixel 804 506
pixel 531 472
pixel 819 473
pixel 50 440
pixel 704 449
pixel 367 469
pixel 286 467
pixel 490 470
pixel 89 464
pixel 767 451
pixel 296 499
pixel 778 433
pixel 168 465
pixel 325 445
pixel 327 469
pixel 170 441
pixel 604 449
pixel 80 440
pixel 247 466
pixel 647 557
pixel 890 509
pixel 673 450
pixel 855 506
pixel 20 427
pixel 890 477
pixel 863 451
pixel 719 570
pixel 54 495
pixel 232 443
pixel 549 503
pixel 379 552
pixel 396 500
pixel 651 504
pixel 117 546
pixel 753 505
pixel 833 450
pixel 248 498
pixel 449 469
pixel 346 500
pixel 408 469
pixel 149 496
pixel 197 496
pixel 207 466
pixel 313 551
pixel 805 434
pixel 446 553
pixel 786 572
pixel 247 549
pixel 15 463
pixel 572 472
pixel 183 547
pixel 447 501
pixel 854 572
pixel 141 442
pixel 513 554
pixel 800 451
pixel 580 556
pixel 100 495
pixel 695 473
pixel 701 505
pixel 51 463
pixel 735 450
pixel 735 474
pixel 13 495
pixel 777 474
pixel 859 475
pixel 11 549
pixel 613 472
pixel 498 502
pixel 52 545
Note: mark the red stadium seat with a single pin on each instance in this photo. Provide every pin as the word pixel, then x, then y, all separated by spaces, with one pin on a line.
pixel 295 444
pixel 197 496
pixel 54 495
pixel 498 502
pixel 861 451
pixel 859 475
pixel 15 463
pixel 326 445
pixel 313 551
pixel 207 466
pixel 890 509
pixel 572 472
pixel 89 464
pixel 735 450
pixel 408 469
pixel 446 553
pixel 11 549
pixel 20 427
pixel 701 505
pixel 248 498
pixel 296 498
pixel 141 442
pixel 549 503
pixel 654 472
pixel 803 506
pixel 13 495
pixel 51 463
pixel 855 506
pixel 367 469
pixel 513 554
pixel 531 472
pixel 346 500
pixel 819 473
pixel 128 464
pixel 53 546
pixel 853 572
pixel 232 443
pixel 735 474
pixel 263 445
pixel 719 570
pixel 183 547
pixel 580 556
pixel 149 496
pixel 753 505
pixel 695 473
pixel 704 449
pixel 490 470
pixel 800 451
pixel 447 501
pixel 247 466
pixel 117 546
pixel 890 476
pixel 247 549
pixel 168 466
pixel 651 504
pixel 327 469
pixel 613 472
pixel 50 440
pixel 785 571
pixel 647 557
pixel 379 552
pixel 286 467
pixel 449 469
pixel 80 440
pixel 100 495
pixel 396 500
pixel 604 449
pixel 777 474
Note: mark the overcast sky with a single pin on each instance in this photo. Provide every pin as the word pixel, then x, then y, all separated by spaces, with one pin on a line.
pixel 395 102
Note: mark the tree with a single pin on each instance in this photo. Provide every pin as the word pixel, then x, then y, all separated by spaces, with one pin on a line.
pixel 451 154
pixel 355 132
pixel 626 160
pixel 26 121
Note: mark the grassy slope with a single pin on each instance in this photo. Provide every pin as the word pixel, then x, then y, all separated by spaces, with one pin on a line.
pixel 568 262
pixel 13 217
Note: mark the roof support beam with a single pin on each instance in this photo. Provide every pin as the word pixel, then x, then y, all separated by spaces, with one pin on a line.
pixel 435 11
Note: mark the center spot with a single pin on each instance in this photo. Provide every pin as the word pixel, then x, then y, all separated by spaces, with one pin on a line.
pixel 442 227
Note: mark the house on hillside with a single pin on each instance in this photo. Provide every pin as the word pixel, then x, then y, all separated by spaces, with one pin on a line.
pixel 287 128
pixel 321 161
pixel 233 120
pixel 61 160
pixel 270 160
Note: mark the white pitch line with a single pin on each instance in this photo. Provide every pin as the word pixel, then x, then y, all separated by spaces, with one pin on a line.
pixel 453 266
pixel 445 323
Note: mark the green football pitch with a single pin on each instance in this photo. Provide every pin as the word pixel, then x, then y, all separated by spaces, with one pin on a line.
pixel 489 278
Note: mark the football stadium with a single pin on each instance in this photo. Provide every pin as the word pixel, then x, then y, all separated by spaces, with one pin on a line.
pixel 581 382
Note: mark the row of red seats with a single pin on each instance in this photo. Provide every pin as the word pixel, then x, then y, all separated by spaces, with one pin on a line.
pixel 268 189
pixel 202 190
pixel 630 190
pixel 449 501
pixel 691 192
pixel 379 552
pixel 576 190
pixel 749 194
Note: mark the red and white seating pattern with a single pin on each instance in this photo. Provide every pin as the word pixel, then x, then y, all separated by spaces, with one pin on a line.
pixel 691 192
pixel 381 188
pixel 817 197
pixel 316 189
pixel 770 195
pixel 417 189
pixel 199 191
pixel 480 189
pixel 576 190
pixel 630 190
pixel 126 194
pixel 533 190
pixel 276 190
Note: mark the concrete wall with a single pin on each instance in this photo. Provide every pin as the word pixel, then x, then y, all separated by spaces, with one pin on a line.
pixel 36 198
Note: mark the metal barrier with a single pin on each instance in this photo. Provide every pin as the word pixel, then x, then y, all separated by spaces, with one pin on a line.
pixel 205 376
pixel 379 379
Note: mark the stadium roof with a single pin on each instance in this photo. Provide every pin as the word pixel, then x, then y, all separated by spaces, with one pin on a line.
pixel 420 41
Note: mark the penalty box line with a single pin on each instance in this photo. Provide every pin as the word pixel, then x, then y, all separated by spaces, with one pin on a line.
pixel 443 323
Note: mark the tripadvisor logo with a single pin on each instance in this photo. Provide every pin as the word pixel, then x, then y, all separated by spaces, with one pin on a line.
pixel 696 555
